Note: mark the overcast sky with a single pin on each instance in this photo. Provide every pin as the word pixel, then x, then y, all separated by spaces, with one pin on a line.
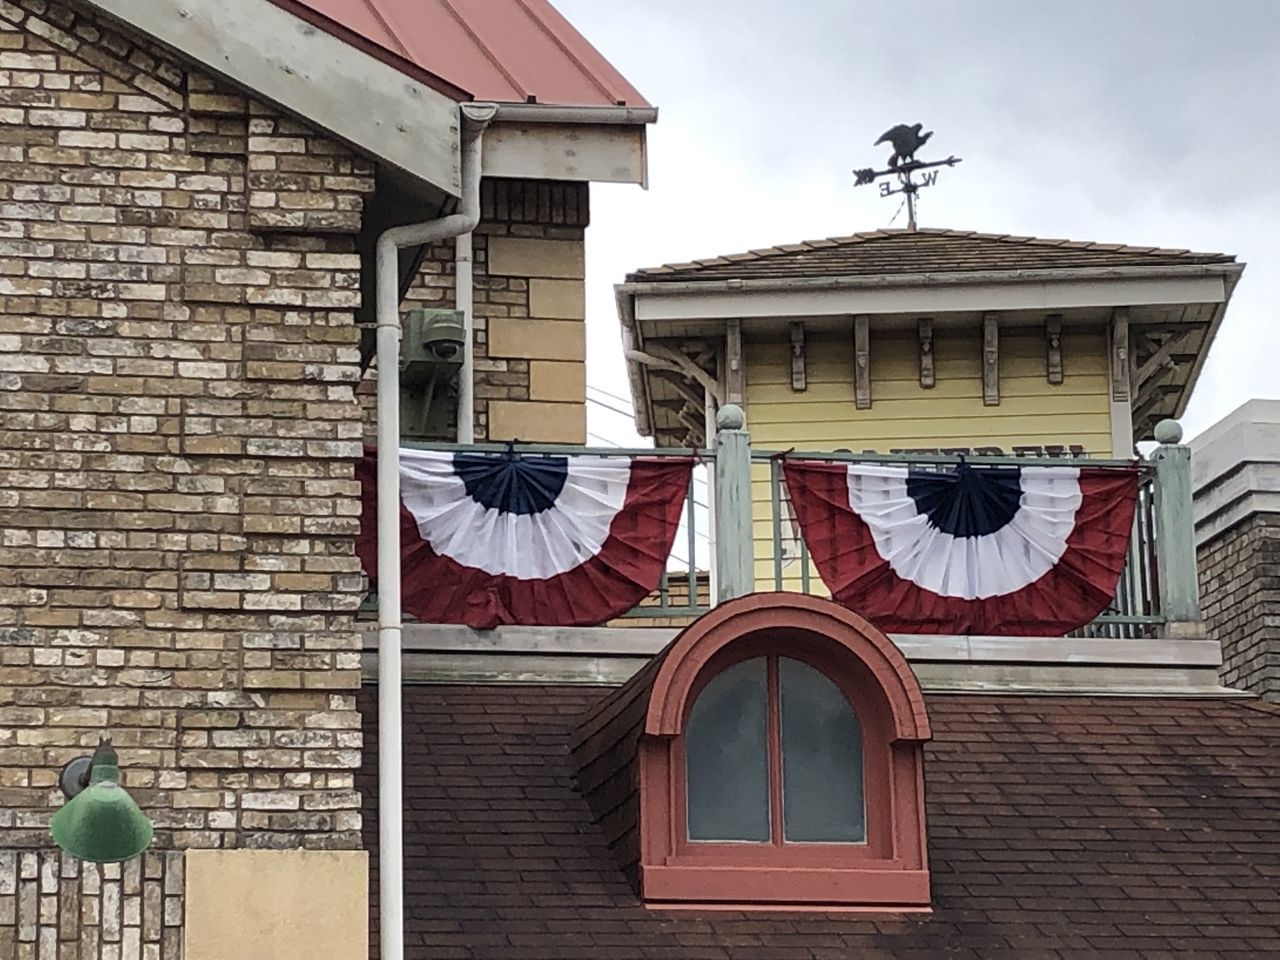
pixel 1150 122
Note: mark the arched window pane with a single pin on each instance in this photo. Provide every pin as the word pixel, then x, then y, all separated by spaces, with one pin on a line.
pixel 821 759
pixel 726 758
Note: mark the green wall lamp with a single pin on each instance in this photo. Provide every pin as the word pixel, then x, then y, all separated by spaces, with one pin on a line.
pixel 100 822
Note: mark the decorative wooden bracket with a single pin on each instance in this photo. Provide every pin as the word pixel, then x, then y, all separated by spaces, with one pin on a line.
pixel 797 356
pixel 694 424
pixel 1153 390
pixel 925 329
pixel 662 357
pixel 735 379
pixel 1161 357
pixel 1150 380
pixel 1120 360
pixel 1053 348
pixel 690 396
pixel 990 360
pixel 862 362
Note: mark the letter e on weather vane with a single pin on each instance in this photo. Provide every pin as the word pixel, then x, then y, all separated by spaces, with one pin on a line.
pixel 905 139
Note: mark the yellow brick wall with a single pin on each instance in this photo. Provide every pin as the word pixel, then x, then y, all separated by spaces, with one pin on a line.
pixel 530 327
pixel 551 340
pixel 905 415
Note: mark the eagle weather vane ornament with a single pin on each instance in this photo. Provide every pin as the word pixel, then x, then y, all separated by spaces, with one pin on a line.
pixel 905 139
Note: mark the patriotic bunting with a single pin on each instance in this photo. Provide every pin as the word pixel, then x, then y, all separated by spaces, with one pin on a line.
pixel 976 550
pixel 529 539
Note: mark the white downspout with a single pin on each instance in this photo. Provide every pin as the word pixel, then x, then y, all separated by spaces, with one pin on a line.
pixel 463 299
pixel 475 117
pixel 709 440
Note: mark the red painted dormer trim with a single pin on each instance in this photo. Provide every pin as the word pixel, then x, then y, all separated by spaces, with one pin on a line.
pixel 783 614
pixel 889 871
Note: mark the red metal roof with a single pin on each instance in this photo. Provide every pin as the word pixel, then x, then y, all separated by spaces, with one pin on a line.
pixel 506 51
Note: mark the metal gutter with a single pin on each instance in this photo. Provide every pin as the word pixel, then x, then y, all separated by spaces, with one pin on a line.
pixel 553 113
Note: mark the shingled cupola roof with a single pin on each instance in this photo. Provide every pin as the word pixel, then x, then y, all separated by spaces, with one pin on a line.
pixel 1172 301
pixel 882 252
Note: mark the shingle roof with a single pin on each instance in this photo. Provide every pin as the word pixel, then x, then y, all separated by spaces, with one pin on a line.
pixel 916 252
pixel 515 51
pixel 1064 828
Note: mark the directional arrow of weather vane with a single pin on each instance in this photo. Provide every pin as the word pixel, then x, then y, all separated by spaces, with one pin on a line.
pixel 906 140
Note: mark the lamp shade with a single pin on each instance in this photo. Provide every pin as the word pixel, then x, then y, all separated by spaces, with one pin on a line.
pixel 102 823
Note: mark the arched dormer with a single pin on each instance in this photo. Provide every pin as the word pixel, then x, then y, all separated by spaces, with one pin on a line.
pixel 771 755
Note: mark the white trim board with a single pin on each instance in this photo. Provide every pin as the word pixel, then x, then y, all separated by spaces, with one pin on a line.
pixel 610 655
pixel 312 74
pixel 565 151
pixel 899 295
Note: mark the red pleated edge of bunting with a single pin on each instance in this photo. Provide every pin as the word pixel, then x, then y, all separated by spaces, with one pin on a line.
pixel 629 566
pixel 1079 587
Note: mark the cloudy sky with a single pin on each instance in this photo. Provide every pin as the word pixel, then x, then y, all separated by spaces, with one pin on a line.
pixel 1150 122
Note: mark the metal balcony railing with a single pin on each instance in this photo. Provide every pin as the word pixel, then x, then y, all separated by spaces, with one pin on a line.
pixel 753 529
pixel 781 558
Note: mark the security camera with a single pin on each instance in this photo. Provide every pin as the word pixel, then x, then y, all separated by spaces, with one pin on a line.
pixel 444 349
pixel 444 337
pixel 432 346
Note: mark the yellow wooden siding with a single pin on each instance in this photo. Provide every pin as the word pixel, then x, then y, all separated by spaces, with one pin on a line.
pixel 905 415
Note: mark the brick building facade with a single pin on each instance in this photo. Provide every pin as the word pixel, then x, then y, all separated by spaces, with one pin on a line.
pixel 1236 471
pixel 530 311
pixel 182 406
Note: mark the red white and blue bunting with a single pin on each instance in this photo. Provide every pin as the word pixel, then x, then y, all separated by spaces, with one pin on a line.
pixel 490 539
pixel 1034 551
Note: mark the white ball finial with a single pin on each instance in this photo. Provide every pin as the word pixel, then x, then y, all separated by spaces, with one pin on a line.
pixel 730 417
pixel 1168 431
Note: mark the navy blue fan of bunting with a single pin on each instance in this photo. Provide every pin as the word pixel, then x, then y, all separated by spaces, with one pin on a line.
pixel 969 502
pixel 488 539
pixel 521 485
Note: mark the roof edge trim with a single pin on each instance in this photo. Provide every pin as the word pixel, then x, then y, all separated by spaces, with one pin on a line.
pixel 654 285
pixel 288 61
pixel 377 51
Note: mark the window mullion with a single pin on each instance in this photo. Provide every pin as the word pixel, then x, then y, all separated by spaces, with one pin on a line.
pixel 774 716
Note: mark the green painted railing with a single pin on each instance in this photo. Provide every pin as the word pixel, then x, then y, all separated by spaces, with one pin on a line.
pixel 1157 591
pixel 1135 612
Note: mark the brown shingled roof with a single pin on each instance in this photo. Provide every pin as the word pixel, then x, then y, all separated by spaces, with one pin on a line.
pixel 882 252
pixel 1059 827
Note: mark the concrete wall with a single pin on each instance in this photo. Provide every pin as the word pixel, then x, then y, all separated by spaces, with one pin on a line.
pixel 1236 482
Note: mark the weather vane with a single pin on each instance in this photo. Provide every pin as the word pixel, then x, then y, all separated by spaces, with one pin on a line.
pixel 906 140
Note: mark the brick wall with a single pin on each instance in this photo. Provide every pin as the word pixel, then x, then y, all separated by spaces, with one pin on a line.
pixel 52 905
pixel 1240 596
pixel 178 434
pixel 530 329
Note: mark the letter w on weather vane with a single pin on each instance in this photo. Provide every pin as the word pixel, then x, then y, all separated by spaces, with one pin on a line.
pixel 905 139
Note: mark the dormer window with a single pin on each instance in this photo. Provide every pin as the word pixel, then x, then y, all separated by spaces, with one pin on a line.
pixel 772 755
